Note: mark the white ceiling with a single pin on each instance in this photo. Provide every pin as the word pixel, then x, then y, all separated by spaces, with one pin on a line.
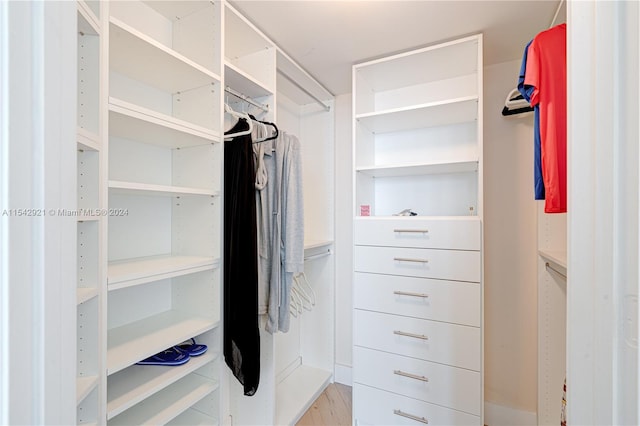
pixel 327 37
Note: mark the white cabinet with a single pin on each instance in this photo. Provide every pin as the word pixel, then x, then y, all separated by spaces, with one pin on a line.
pixel 417 133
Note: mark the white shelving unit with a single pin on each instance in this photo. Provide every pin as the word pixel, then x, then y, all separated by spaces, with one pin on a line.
pixel 90 236
pixel 417 131
pixel 164 183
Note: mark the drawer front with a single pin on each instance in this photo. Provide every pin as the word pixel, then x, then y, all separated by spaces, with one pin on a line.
pixel 451 387
pixel 451 344
pixel 377 407
pixel 426 263
pixel 459 234
pixel 449 301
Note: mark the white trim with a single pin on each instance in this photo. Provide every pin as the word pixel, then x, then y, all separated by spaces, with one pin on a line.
pixel 500 415
pixel 343 374
pixel 4 221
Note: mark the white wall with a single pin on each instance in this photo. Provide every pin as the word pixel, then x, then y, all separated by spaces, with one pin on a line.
pixel 510 252
pixel 510 233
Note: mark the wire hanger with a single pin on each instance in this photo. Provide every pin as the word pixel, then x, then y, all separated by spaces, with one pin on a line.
pixel 231 111
pixel 274 136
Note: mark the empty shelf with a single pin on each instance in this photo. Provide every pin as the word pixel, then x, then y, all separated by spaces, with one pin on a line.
pixel 557 259
pixel 136 383
pixel 167 404
pixel 419 169
pixel 130 121
pixel 88 23
pixel 432 114
pixel 87 140
pixel 135 188
pixel 84 386
pixel 243 82
pixel 130 272
pixel 296 393
pixel 133 342
pixel 193 418
pixel 86 293
pixel 142 58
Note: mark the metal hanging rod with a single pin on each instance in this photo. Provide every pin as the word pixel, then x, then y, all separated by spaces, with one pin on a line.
pixel 295 83
pixel 246 99
pixel 548 266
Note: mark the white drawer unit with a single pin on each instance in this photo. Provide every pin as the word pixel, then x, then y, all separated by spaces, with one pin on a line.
pixel 449 301
pixel 451 387
pixel 451 344
pixel 418 280
pixel 455 233
pixel 377 407
pixel 458 265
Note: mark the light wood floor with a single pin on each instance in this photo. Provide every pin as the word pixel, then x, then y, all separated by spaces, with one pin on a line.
pixel 332 408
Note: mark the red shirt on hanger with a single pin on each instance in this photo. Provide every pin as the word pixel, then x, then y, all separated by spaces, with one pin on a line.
pixel 547 74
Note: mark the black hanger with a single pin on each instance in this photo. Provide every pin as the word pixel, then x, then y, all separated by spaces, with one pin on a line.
pixel 275 136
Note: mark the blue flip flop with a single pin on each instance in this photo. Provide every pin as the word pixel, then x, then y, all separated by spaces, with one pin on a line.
pixel 170 357
pixel 191 347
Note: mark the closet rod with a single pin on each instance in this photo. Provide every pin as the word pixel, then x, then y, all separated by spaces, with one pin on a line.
pixel 548 266
pixel 295 83
pixel 247 99
pixel 557 12
pixel 316 256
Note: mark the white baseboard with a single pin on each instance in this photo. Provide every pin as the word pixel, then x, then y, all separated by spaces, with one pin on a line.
pixel 499 415
pixel 343 374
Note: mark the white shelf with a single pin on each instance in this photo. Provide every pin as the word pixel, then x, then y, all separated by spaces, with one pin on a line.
pixel 88 22
pixel 85 294
pixel 87 140
pixel 193 418
pixel 130 272
pixel 243 82
pixel 130 121
pixel 88 218
pixel 316 244
pixel 133 342
pixel 138 382
pixel 558 259
pixel 430 114
pixel 297 392
pixel 419 169
pixel 84 386
pixel 142 58
pixel 167 404
pixel 135 188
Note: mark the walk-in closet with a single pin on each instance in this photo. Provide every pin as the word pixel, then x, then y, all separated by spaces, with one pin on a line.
pixel 241 212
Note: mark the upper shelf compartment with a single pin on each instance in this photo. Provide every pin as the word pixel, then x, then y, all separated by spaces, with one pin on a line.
pixel 188 29
pixel 430 75
pixel 249 55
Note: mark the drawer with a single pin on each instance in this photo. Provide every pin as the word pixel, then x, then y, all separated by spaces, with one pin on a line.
pixel 451 344
pixel 461 234
pixel 451 387
pixel 377 407
pixel 426 263
pixel 449 301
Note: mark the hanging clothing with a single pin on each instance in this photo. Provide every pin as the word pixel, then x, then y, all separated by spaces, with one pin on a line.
pixel 280 225
pixel 240 282
pixel 547 74
pixel 526 92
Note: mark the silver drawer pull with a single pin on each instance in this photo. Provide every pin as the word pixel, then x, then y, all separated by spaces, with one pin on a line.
pixel 409 259
pixel 415 336
pixel 415 231
pixel 408 293
pixel 411 376
pixel 410 416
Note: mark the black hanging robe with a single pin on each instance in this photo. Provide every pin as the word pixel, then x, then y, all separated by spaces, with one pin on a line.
pixel 241 333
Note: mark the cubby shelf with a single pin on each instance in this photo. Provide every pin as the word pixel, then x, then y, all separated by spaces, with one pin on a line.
pixel 88 22
pixel 432 114
pixel 132 385
pixel 243 82
pixel 84 386
pixel 138 340
pixel 142 58
pixel 298 391
pixel 135 122
pixel 87 140
pixel 193 418
pixel 167 404
pixel 130 272
pixel 86 293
